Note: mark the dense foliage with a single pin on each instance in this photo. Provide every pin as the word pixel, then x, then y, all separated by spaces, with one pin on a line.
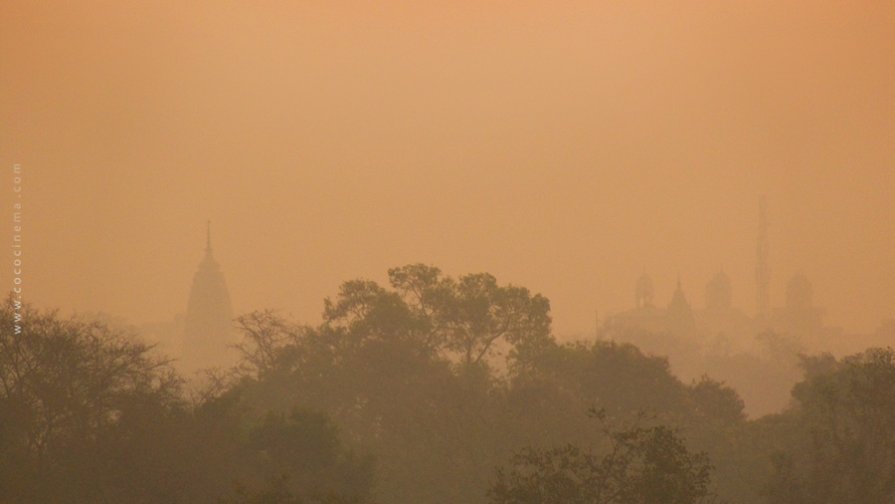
pixel 432 389
pixel 89 415
pixel 640 466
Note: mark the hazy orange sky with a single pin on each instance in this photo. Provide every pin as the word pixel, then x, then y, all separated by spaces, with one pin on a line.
pixel 564 146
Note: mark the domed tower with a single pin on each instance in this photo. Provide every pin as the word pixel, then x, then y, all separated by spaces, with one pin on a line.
pixel 799 294
pixel 208 326
pixel 643 292
pixel 800 319
pixel 718 293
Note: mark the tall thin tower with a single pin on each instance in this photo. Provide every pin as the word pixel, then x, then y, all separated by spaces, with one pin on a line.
pixel 208 332
pixel 762 266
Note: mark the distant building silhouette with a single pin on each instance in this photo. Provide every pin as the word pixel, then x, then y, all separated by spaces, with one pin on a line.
pixel 208 325
pixel 677 318
pixel 643 292
pixel 720 327
pixel 719 293
pixel 679 314
pixel 799 318
pixel 724 328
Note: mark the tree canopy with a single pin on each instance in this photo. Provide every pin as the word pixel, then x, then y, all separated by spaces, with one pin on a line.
pixel 416 392
pixel 641 465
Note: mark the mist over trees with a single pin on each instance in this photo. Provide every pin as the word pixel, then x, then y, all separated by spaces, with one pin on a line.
pixel 430 389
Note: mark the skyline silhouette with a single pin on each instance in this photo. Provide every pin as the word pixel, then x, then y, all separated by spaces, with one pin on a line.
pixel 569 148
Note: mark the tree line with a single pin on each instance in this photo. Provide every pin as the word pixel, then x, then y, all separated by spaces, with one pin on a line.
pixel 431 389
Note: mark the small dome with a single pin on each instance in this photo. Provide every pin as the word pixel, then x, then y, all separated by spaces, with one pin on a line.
pixel 643 292
pixel 718 292
pixel 799 293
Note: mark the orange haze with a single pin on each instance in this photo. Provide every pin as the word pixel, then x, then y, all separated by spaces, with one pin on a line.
pixel 564 146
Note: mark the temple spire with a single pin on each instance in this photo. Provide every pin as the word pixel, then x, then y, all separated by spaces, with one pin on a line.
pixel 208 324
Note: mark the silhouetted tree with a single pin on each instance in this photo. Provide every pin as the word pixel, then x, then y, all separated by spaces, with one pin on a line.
pixel 89 415
pixel 841 435
pixel 464 318
pixel 64 386
pixel 642 465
